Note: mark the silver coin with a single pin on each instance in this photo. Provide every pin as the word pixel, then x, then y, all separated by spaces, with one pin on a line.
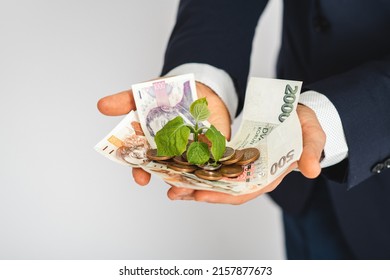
pixel 210 166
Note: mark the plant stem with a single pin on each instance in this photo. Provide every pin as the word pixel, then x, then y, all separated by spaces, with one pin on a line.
pixel 196 133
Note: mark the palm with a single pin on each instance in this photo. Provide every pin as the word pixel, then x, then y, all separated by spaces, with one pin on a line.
pixel 219 116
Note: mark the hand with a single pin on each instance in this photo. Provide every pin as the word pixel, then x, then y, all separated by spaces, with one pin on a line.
pixel 313 144
pixel 123 102
pixel 309 164
pixel 176 193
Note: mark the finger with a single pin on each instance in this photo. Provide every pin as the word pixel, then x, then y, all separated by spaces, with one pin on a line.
pixel 223 198
pixel 141 177
pixel 117 104
pixel 313 143
pixel 215 197
pixel 176 193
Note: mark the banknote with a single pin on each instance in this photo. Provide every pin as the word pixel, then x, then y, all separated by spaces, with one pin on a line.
pixel 269 123
pixel 126 143
pixel 161 100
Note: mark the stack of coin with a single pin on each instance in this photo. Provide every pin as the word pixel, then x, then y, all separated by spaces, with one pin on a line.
pixel 230 164
pixel 250 155
pixel 151 154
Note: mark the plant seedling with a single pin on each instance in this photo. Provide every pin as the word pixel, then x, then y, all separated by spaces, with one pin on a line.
pixel 173 138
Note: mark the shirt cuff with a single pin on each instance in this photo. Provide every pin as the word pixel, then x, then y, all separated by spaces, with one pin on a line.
pixel 216 79
pixel 336 148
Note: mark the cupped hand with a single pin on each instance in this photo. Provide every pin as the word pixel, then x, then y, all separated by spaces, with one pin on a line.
pixel 123 102
pixel 309 164
pixel 176 193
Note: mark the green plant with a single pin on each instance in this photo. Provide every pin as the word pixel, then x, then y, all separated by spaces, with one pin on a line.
pixel 173 138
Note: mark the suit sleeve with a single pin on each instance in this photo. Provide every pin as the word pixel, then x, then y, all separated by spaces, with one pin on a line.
pixel 218 33
pixel 362 99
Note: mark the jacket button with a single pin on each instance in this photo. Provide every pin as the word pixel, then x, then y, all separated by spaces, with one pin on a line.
pixel 378 168
pixel 387 163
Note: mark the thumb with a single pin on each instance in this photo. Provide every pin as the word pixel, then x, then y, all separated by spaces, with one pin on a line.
pixel 219 114
pixel 117 104
pixel 313 142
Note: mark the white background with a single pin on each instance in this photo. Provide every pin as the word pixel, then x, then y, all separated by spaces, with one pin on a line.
pixel 59 199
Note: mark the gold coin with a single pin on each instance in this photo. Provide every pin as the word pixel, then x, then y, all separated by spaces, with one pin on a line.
pixel 238 155
pixel 182 168
pixel 208 175
pixel 166 162
pixel 152 155
pixel 184 155
pixel 228 154
pixel 231 170
pixel 250 155
pixel 181 160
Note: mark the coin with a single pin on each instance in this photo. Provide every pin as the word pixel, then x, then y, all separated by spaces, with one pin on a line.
pixel 228 154
pixel 166 162
pixel 204 139
pixel 208 175
pixel 182 168
pixel 231 170
pixel 250 154
pixel 181 160
pixel 152 155
pixel 210 166
pixel 238 155
pixel 184 155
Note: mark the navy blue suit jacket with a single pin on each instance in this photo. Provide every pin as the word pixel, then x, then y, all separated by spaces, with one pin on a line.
pixel 338 48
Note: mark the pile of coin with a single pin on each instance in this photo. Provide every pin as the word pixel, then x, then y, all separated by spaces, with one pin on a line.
pixel 230 165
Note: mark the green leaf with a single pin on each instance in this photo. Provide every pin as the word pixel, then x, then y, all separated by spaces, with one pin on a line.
pixel 218 142
pixel 198 153
pixel 199 110
pixel 172 139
